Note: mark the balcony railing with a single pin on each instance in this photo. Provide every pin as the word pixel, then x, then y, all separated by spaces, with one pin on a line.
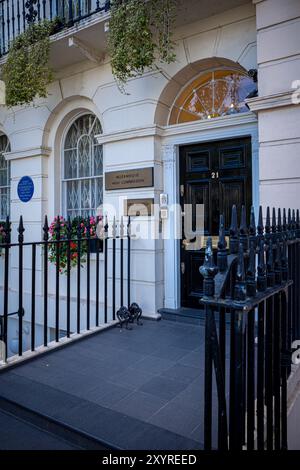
pixel 17 15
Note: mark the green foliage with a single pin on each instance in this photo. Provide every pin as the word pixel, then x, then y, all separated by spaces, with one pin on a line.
pixel 140 35
pixel 26 72
pixel 63 235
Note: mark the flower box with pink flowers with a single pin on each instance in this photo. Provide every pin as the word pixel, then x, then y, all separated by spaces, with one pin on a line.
pixel 73 230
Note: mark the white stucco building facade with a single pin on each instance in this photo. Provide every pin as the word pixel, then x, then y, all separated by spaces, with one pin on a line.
pixel 139 131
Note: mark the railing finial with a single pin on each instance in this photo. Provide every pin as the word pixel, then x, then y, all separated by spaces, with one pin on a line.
pixel 251 271
pixel 260 225
pixel 252 228
pixel 284 223
pixel 46 229
pixel 268 221
pixel 261 268
pixel 268 235
pixel 7 230
pixel 270 265
pixel 279 224
pixel 122 227
pixel 222 247
pixel 240 292
pixel 274 225
pixel 244 230
pixel 21 230
pixel 208 270
pixel 233 231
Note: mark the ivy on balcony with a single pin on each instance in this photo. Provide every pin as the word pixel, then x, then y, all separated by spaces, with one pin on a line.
pixel 27 72
pixel 140 36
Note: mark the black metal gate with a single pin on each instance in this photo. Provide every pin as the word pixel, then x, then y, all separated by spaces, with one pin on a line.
pixel 254 288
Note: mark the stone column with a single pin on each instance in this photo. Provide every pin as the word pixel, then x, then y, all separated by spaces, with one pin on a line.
pixel 31 162
pixel 171 244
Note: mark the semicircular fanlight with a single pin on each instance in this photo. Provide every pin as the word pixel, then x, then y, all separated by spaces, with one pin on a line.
pixel 213 94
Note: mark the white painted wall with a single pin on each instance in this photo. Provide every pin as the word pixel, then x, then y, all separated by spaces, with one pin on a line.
pixel 278 56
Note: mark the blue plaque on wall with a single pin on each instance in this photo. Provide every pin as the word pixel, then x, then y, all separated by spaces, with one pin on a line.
pixel 25 189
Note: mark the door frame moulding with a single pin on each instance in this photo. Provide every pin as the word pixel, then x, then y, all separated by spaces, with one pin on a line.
pixel 243 125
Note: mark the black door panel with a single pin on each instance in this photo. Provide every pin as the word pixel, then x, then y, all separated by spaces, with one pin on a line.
pixel 218 175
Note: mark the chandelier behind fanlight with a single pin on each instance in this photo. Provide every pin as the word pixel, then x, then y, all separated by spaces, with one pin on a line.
pixel 214 94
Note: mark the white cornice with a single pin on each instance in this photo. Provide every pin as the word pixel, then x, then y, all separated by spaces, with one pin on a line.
pixel 28 153
pixel 177 129
pixel 261 103
pixel 209 124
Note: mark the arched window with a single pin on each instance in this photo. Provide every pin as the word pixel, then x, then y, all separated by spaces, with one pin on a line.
pixel 212 94
pixel 82 168
pixel 4 178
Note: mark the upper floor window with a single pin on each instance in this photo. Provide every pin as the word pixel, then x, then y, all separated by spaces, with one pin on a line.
pixel 212 94
pixel 82 168
pixel 4 178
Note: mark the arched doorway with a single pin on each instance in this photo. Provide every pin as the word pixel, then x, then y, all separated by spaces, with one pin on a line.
pixel 214 143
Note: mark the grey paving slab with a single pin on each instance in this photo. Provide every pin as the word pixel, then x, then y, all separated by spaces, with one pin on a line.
pixel 183 418
pixel 138 389
pixel 153 365
pixel 193 358
pixel 183 373
pixel 163 387
pixel 140 405
pixel 19 435
pixel 132 378
pixel 187 342
pixel 165 351
pixel 162 439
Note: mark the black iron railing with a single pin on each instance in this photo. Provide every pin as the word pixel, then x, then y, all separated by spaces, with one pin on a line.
pixel 17 15
pixel 254 288
pixel 65 302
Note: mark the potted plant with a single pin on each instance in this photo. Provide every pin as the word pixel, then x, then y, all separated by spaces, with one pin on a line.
pixel 78 225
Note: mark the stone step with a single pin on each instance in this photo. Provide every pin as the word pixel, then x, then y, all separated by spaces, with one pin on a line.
pixel 36 429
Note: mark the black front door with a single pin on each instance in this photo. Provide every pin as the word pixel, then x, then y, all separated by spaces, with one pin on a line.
pixel 218 175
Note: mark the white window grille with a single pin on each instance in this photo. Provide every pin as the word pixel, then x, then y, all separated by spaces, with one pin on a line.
pixel 82 168
pixel 4 178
